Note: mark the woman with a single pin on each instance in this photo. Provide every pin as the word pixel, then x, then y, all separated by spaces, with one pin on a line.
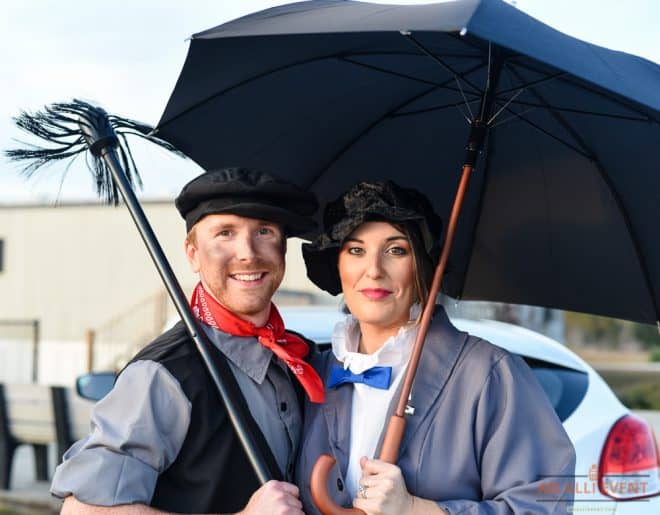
pixel 483 434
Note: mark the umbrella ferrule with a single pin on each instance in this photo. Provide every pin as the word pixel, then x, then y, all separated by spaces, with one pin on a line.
pixel 475 142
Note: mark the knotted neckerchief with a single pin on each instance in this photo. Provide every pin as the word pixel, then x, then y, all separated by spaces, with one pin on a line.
pixel 286 346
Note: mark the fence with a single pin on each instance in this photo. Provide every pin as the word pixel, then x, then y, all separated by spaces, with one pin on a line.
pixel 111 345
pixel 26 357
pixel 19 348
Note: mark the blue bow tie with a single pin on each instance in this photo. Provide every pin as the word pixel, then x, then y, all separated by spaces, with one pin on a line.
pixel 377 377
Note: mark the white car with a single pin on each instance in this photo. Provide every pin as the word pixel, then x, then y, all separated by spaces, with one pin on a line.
pixel 618 464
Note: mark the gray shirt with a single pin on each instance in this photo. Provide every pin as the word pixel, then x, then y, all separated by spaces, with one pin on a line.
pixel 138 429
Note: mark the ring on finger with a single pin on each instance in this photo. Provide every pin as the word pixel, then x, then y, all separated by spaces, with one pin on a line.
pixel 362 489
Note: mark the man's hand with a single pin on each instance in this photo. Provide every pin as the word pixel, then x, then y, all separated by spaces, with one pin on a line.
pixel 275 498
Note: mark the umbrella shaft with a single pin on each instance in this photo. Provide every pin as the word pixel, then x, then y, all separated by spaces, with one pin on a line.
pixel 396 426
pixel 476 139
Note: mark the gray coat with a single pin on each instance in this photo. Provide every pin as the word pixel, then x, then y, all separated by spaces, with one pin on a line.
pixel 483 439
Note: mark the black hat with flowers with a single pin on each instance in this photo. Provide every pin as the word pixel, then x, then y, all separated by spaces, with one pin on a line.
pixel 366 202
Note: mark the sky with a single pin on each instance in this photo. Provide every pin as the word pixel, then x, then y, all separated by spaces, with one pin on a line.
pixel 126 56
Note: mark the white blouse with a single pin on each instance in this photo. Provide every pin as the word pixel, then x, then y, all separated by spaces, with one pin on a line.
pixel 370 405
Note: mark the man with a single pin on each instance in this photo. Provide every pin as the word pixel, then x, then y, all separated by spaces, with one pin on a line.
pixel 161 439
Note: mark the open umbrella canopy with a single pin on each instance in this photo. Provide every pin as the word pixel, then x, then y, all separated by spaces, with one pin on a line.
pixel 562 209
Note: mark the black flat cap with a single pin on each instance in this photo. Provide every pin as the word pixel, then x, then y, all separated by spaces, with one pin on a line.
pixel 365 202
pixel 249 193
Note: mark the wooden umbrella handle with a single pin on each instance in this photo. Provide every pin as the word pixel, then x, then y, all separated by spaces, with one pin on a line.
pixel 389 451
pixel 318 484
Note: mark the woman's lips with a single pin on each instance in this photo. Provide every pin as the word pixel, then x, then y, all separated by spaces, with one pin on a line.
pixel 375 293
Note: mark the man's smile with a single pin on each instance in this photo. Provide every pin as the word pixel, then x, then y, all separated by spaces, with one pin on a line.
pixel 249 277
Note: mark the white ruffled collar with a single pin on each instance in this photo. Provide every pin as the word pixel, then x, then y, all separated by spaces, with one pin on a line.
pixel 394 352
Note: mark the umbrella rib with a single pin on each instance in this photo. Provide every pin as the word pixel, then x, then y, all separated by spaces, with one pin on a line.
pixel 549 134
pixel 581 111
pixel 557 116
pixel 585 150
pixel 444 65
pixel 431 109
pixel 368 128
pixel 209 98
pixel 521 88
pixel 402 75
pixel 438 108
pixel 533 83
pixel 407 53
pixel 488 75
pixel 508 119
pixel 372 125
pixel 604 94
pixel 507 103
pixel 617 198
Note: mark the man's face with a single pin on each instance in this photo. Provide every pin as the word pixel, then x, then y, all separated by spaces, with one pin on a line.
pixel 240 262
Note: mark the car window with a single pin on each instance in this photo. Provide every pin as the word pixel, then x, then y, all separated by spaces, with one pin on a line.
pixel 564 387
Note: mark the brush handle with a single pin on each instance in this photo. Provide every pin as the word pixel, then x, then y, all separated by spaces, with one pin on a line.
pixel 102 142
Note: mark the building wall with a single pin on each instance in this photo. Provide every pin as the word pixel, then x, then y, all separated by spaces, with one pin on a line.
pixel 83 266
pixel 74 266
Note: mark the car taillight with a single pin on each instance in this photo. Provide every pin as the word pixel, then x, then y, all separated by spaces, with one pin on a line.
pixel 630 464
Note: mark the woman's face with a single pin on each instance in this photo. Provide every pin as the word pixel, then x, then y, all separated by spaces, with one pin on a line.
pixel 376 269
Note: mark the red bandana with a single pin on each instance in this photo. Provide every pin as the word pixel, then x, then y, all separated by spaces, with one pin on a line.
pixel 286 346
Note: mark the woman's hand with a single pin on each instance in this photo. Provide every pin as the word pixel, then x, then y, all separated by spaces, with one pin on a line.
pixel 383 490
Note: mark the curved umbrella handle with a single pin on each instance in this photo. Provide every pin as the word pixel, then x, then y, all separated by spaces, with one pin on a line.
pixel 318 484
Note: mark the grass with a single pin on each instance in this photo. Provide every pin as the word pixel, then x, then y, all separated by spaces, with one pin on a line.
pixel 655 354
pixel 636 391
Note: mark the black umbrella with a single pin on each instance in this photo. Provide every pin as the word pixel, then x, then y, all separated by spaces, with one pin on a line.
pixel 560 212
